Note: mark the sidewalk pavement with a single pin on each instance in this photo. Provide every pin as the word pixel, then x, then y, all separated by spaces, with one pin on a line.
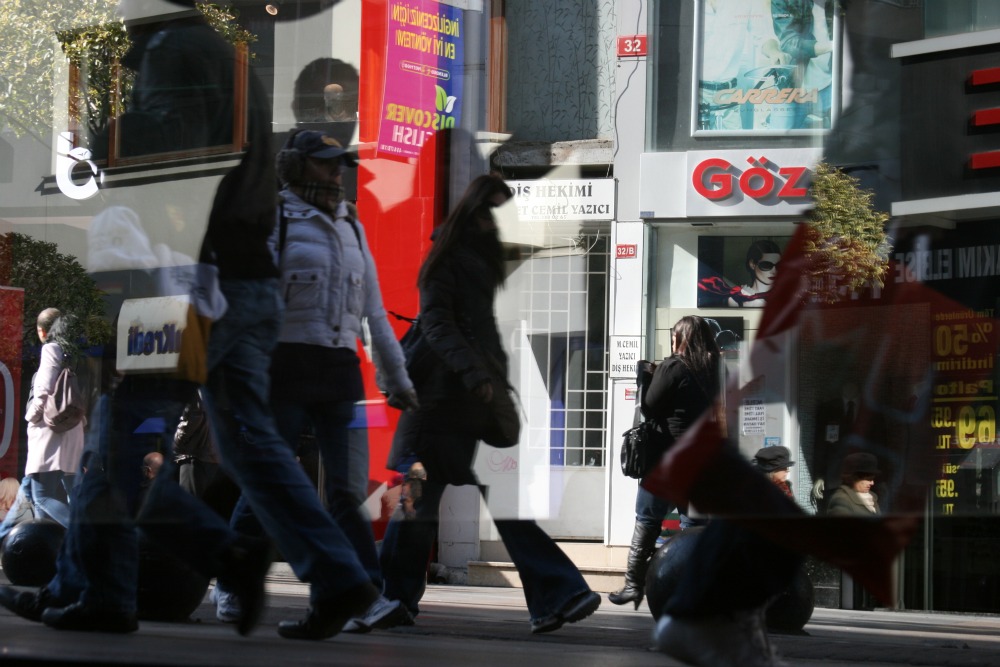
pixel 463 625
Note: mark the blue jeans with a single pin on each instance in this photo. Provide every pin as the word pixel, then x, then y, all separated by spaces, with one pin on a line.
pixel 731 568
pixel 329 421
pixel 18 510
pixel 50 493
pixel 257 458
pixel 650 510
pixel 99 560
pixel 548 576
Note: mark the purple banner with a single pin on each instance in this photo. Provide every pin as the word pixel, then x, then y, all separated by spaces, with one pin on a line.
pixel 423 78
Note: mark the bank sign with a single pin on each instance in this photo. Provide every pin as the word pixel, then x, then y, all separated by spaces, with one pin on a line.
pixel 731 183
pixel 545 200
pixel 424 61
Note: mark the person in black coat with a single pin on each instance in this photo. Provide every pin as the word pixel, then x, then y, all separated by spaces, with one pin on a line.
pixel 682 388
pixel 462 376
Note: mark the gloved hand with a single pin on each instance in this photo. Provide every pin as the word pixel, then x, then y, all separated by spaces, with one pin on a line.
pixel 818 489
pixel 406 400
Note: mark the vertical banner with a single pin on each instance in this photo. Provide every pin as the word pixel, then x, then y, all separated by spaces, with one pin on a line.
pixel 11 316
pixel 963 420
pixel 765 66
pixel 422 92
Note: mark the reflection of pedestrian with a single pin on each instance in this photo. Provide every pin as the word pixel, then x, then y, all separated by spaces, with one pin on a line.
pixel 458 283
pixel 95 588
pixel 762 261
pixel 315 371
pixel 193 450
pixel 53 457
pixel 854 497
pixel 805 32
pixel 835 422
pixel 325 98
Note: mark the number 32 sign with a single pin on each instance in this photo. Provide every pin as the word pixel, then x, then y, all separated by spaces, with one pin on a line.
pixel 632 46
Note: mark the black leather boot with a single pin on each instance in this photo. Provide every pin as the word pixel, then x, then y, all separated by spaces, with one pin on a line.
pixel 641 550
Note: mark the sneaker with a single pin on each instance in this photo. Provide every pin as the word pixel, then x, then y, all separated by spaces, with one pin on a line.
pixel 577 609
pixel 227 605
pixel 719 641
pixel 381 615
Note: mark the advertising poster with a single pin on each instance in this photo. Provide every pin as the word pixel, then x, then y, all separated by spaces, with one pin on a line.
pixel 737 271
pixel 423 75
pixel 11 411
pixel 765 66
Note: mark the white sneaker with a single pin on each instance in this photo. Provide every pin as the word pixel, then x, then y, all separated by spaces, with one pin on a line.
pixel 382 615
pixel 728 640
pixel 227 605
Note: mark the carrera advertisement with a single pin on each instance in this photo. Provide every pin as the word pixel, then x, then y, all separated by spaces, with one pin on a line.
pixel 423 75
pixel 765 66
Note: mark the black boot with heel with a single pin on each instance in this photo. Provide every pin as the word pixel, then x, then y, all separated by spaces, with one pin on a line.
pixel 641 550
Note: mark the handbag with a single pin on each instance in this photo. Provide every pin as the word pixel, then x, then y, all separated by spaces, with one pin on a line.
pixel 643 444
pixel 504 429
pixel 642 447
pixel 420 358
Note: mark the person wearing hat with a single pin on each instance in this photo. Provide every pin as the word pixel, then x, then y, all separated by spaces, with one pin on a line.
pixel 774 462
pixel 329 285
pixel 854 497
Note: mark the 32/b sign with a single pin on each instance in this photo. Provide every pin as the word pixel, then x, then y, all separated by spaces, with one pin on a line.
pixel 632 46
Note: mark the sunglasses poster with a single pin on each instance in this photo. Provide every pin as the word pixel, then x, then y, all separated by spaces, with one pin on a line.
pixel 737 271
pixel 765 66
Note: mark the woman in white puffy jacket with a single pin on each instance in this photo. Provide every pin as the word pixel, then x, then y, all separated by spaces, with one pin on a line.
pixel 329 284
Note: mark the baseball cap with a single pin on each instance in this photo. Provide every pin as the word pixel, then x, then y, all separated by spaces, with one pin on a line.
pixel 319 145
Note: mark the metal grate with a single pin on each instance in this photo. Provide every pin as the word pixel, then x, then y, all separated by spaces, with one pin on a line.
pixel 566 309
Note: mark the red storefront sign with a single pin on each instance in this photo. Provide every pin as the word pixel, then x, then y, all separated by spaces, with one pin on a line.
pixel 11 314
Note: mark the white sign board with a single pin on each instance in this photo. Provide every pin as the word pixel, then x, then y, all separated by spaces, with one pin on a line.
pixel 572 199
pixel 624 355
pixel 727 183
pixel 150 332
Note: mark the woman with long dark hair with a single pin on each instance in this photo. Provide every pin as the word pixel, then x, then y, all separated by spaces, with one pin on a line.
pixel 458 283
pixel 682 388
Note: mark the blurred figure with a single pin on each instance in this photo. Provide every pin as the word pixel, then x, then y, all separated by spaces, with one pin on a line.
pixel 458 282
pixel 97 572
pixel 330 285
pixel 53 457
pixel 836 422
pixel 715 616
pixel 151 464
pixel 854 496
pixel 8 495
pixel 683 387
pixel 193 450
pixel 774 462
pixel 15 504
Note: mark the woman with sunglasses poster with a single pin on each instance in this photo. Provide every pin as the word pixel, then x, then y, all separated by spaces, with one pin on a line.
pixel 763 257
